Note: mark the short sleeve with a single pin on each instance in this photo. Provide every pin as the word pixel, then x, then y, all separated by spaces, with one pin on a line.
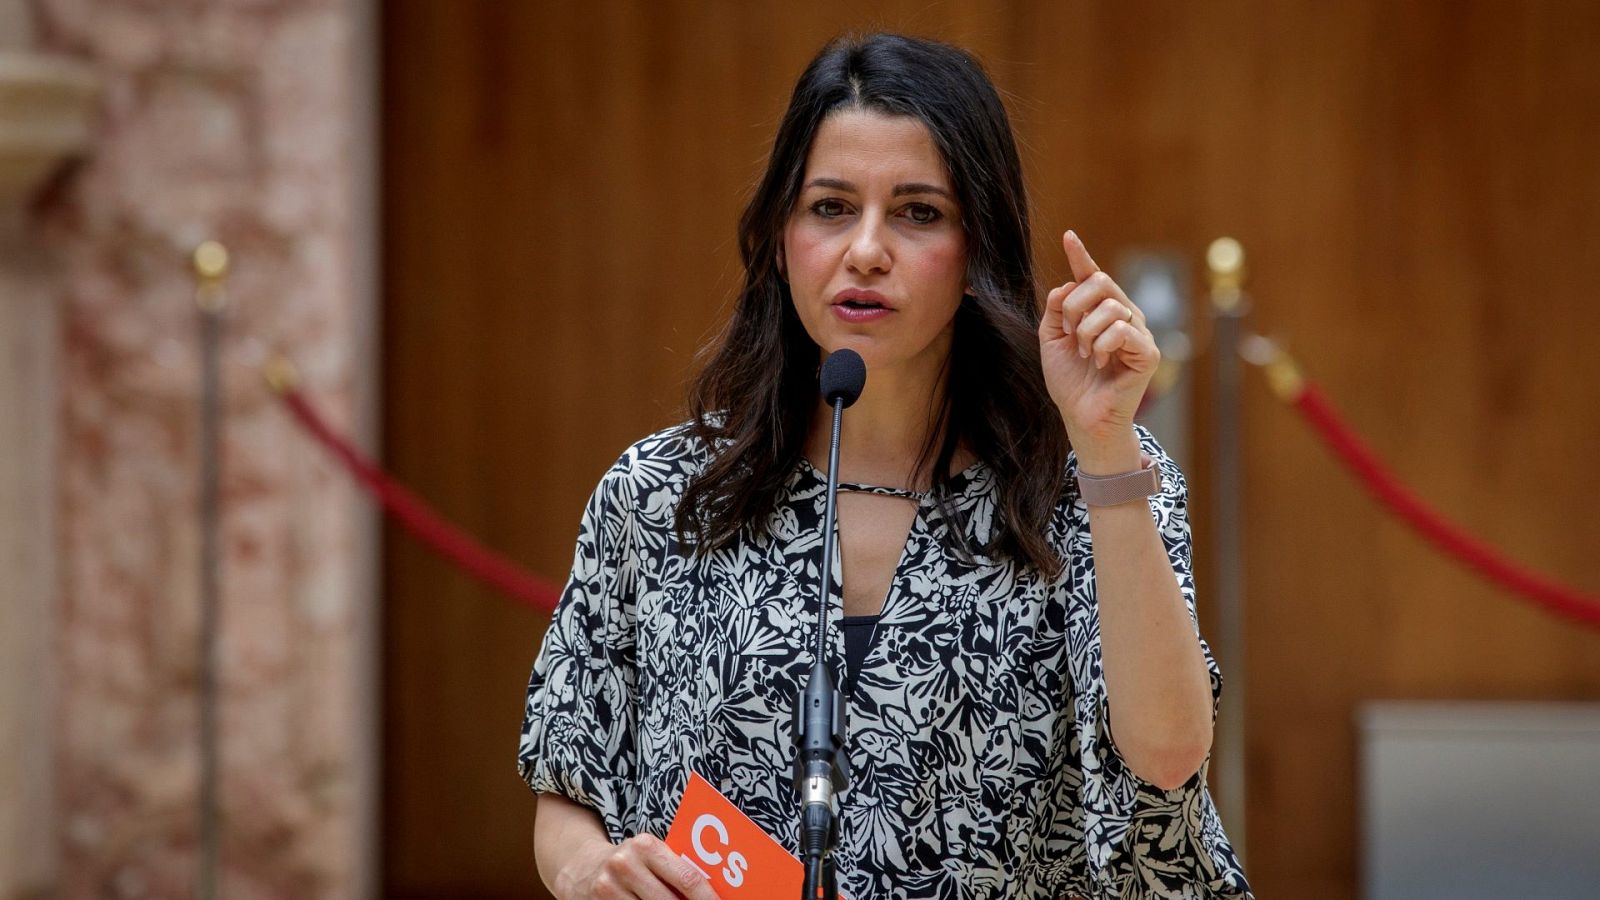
pixel 580 724
pixel 1144 841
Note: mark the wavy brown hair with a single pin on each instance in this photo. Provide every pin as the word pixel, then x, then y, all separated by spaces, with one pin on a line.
pixel 753 401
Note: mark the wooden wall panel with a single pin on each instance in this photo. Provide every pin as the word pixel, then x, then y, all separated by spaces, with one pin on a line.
pixel 1413 184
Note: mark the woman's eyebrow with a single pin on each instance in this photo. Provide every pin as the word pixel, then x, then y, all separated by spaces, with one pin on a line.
pixel 900 190
pixel 832 184
pixel 917 187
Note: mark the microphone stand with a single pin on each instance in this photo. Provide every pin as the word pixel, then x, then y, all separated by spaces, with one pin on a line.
pixel 819 721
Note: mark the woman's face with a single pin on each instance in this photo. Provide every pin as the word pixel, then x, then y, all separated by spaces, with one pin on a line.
pixel 875 254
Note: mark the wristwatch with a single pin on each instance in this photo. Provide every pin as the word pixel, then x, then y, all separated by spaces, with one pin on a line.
pixel 1112 490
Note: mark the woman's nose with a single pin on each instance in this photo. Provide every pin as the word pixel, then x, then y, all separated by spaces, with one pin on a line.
pixel 868 250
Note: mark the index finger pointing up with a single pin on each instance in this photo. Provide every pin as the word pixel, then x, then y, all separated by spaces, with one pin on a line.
pixel 1078 257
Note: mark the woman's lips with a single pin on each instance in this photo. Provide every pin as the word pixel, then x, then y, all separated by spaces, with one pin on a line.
pixel 858 314
pixel 856 305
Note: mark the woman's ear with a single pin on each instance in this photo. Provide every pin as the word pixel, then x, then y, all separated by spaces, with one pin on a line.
pixel 783 272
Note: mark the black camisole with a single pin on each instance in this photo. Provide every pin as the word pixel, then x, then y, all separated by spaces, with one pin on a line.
pixel 857 641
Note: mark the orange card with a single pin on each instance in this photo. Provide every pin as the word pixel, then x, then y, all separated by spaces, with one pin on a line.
pixel 740 859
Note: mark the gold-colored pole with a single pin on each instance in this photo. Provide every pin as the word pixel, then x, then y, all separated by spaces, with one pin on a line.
pixel 210 263
pixel 1225 265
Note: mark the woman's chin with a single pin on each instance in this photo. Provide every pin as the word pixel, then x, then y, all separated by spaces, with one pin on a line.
pixel 873 352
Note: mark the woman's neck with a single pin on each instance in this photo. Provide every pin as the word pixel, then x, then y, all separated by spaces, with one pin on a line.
pixel 885 432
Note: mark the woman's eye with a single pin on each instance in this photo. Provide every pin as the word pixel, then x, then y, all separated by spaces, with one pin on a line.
pixel 828 209
pixel 923 214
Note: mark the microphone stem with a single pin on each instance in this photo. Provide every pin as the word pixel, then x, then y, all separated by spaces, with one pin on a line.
pixel 820 717
pixel 826 592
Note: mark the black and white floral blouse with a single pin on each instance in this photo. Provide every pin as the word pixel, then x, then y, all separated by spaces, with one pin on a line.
pixel 981 762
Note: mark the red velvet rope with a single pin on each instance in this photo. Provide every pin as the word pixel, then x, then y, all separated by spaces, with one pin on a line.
pixel 497 572
pixel 1453 541
pixel 412 514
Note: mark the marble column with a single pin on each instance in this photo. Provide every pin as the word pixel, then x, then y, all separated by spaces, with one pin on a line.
pixel 44 119
pixel 247 123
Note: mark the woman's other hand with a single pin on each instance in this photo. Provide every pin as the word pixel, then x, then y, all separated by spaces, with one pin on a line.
pixel 578 862
pixel 1098 358
pixel 641 866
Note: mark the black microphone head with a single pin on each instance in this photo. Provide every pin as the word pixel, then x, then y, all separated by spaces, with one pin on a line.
pixel 844 374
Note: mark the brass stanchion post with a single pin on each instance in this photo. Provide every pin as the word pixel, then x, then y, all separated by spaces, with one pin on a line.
pixel 210 268
pixel 1225 267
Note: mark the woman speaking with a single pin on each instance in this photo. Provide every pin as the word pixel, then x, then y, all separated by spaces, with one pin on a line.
pixel 1030 705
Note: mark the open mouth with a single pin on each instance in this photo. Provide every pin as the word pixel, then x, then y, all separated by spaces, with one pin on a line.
pixel 860 306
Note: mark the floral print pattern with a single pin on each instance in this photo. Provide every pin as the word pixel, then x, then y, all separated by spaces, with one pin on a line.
pixel 981 763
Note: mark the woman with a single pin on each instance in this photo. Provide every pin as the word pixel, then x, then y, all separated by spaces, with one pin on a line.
pixel 1030 706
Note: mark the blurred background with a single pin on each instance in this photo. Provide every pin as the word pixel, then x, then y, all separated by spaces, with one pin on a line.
pixel 491 236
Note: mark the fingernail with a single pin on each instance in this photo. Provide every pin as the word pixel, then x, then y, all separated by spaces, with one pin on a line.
pixel 1072 234
pixel 1083 352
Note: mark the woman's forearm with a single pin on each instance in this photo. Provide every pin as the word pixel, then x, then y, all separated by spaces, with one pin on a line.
pixel 1157 687
pixel 562 832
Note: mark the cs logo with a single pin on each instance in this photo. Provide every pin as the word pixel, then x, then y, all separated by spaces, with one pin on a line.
pixel 737 865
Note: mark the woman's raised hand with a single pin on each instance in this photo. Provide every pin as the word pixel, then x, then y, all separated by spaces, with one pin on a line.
pixel 1098 358
pixel 641 866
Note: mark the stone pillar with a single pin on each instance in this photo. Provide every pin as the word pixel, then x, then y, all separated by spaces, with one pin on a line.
pixel 44 116
pixel 246 123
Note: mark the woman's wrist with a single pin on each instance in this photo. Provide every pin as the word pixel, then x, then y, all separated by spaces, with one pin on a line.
pixel 578 868
pixel 1106 455
pixel 569 843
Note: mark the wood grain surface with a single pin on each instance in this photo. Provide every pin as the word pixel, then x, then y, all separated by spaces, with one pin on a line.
pixel 1416 188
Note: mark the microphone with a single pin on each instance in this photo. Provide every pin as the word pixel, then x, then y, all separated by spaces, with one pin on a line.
pixel 844 374
pixel 819 717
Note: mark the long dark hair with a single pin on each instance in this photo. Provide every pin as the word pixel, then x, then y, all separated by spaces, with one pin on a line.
pixel 753 401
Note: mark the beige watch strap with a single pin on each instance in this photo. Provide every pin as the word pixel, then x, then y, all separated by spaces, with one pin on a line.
pixel 1113 490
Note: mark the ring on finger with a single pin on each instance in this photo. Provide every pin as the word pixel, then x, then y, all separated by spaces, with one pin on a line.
pixel 1130 314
